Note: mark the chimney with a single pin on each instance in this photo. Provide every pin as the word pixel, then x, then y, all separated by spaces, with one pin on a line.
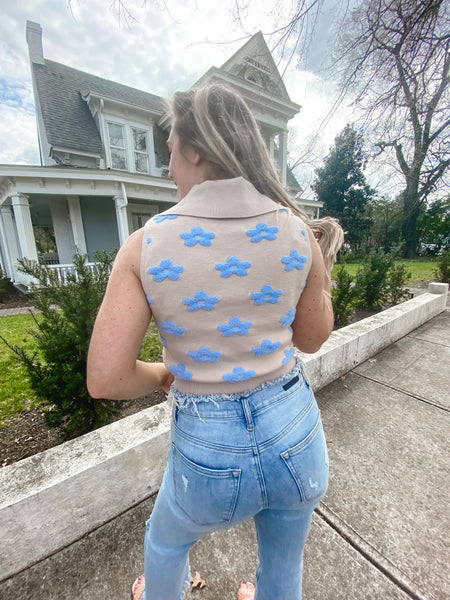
pixel 34 41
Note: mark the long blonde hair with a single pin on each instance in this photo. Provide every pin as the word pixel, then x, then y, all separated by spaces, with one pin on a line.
pixel 215 121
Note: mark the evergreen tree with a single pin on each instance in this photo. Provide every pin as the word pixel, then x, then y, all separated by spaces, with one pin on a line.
pixel 57 369
pixel 340 184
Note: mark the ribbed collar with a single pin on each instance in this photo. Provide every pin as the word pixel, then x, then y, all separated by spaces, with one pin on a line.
pixel 224 199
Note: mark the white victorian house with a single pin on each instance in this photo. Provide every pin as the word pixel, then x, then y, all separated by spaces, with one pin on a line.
pixel 104 159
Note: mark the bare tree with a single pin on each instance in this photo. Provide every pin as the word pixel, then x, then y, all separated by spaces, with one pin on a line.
pixel 393 57
pixel 397 57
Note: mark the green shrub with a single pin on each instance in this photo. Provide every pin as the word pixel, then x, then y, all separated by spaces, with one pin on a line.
pixel 57 369
pixel 371 280
pixel 151 349
pixel 397 277
pixel 343 296
pixel 349 256
pixel 443 267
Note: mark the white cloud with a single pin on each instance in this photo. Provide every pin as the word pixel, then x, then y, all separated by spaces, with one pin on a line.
pixel 19 136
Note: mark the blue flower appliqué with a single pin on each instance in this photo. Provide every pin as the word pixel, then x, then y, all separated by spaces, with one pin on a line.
pixel 161 218
pixel 294 261
pixel 204 354
pixel 169 327
pixel 288 354
pixel 267 294
pixel 267 347
pixel 149 239
pixel 287 319
pixel 166 270
pixel 197 236
pixel 149 300
pixel 200 300
pixel 234 327
pixel 238 374
pixel 262 232
pixel 233 266
pixel 179 371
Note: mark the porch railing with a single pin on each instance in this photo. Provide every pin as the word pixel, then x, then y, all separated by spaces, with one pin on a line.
pixel 63 270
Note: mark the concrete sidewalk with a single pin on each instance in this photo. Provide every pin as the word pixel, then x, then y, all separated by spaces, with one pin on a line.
pixel 382 530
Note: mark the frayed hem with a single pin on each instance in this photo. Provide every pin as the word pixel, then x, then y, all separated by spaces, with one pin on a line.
pixel 183 400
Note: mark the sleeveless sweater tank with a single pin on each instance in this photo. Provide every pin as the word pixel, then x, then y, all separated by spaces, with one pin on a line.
pixel 223 271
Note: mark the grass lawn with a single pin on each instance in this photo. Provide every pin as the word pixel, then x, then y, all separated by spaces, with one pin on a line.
pixel 420 270
pixel 16 394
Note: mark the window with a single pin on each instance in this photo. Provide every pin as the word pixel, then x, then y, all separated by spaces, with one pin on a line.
pixel 129 148
pixel 140 214
pixel 140 150
pixel 117 146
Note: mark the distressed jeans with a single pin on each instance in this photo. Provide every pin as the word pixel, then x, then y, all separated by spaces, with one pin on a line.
pixel 260 455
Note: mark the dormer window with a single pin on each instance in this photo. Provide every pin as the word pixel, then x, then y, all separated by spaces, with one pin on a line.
pixel 117 146
pixel 128 148
pixel 140 150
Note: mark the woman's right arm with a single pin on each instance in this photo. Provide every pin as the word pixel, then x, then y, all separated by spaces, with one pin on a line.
pixel 314 319
pixel 113 368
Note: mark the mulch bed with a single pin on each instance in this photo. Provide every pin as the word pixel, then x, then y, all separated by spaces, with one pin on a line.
pixel 27 434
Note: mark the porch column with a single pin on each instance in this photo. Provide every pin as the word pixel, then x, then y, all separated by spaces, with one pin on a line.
pixel 27 242
pixel 8 242
pixel 62 230
pixel 272 148
pixel 121 204
pixel 76 220
pixel 282 156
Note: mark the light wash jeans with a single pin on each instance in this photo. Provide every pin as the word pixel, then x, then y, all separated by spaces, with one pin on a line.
pixel 262 455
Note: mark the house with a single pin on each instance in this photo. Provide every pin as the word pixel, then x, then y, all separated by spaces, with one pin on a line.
pixel 104 159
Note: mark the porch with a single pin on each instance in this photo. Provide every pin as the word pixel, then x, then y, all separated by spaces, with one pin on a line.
pixel 48 214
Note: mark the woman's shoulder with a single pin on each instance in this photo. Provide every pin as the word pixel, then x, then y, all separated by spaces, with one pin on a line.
pixel 129 255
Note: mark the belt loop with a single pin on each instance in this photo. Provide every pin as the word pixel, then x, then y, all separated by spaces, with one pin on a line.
pixel 247 413
pixel 304 373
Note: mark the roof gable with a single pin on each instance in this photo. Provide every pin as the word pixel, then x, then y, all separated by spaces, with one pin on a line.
pixel 67 119
pixel 254 63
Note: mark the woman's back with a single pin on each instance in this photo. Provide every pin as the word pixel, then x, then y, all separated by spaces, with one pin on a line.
pixel 223 271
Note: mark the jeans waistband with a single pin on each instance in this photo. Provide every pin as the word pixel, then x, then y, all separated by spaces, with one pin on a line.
pixel 182 400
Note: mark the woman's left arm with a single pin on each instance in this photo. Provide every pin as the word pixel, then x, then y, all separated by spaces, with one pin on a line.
pixel 113 370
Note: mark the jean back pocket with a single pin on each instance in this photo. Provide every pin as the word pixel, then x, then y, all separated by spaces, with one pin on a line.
pixel 205 495
pixel 308 463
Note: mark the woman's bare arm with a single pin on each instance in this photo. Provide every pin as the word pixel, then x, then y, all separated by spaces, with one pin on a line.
pixel 113 370
pixel 314 317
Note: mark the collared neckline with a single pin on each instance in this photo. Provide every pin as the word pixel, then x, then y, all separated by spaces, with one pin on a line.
pixel 224 199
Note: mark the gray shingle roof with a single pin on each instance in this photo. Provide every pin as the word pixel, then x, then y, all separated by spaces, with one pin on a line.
pixel 67 119
pixel 291 180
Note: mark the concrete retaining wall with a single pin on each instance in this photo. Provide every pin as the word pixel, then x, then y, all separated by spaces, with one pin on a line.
pixel 350 346
pixel 50 500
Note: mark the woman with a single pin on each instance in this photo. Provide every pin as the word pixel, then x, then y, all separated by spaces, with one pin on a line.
pixel 234 279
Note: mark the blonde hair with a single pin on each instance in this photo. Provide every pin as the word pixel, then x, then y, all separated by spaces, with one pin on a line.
pixel 215 121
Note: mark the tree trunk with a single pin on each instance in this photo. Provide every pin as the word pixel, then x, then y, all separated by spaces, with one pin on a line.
pixel 411 212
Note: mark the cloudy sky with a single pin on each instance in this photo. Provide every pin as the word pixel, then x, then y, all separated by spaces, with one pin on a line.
pixel 161 46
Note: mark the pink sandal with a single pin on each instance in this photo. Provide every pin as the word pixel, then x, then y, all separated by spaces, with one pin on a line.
pixel 137 589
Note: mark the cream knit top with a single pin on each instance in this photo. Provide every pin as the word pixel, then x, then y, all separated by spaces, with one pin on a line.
pixel 223 271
